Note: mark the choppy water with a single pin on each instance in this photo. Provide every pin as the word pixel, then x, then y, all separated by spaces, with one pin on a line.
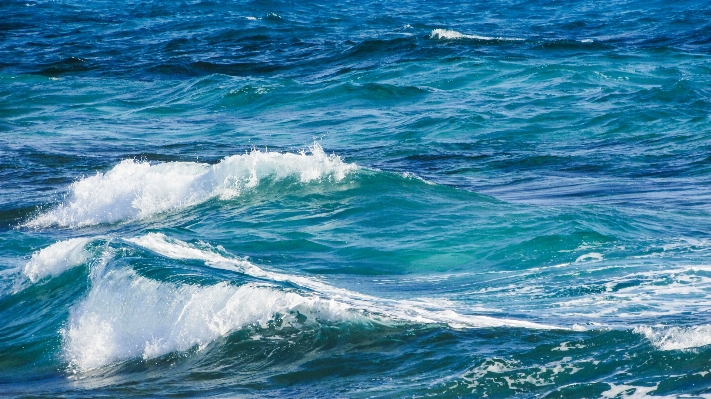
pixel 363 199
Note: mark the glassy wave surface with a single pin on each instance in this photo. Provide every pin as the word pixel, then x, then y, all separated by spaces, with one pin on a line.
pixel 362 199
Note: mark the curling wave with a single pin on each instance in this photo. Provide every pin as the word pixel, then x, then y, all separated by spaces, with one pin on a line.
pixel 136 190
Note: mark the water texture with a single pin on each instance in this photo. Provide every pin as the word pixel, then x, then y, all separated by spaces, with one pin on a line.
pixel 360 199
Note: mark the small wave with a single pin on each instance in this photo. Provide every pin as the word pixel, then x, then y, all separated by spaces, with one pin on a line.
pixel 675 338
pixel 446 34
pixel 56 259
pixel 136 190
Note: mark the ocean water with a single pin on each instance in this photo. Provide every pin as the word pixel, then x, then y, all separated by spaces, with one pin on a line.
pixel 360 199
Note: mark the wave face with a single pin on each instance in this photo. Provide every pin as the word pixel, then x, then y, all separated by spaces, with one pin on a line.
pixel 135 190
pixel 493 200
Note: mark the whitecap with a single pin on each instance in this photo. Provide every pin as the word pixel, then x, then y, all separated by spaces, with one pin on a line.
pixel 446 34
pixel 56 259
pixel 675 338
pixel 592 256
pixel 135 190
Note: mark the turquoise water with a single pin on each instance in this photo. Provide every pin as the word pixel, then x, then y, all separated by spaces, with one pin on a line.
pixel 363 199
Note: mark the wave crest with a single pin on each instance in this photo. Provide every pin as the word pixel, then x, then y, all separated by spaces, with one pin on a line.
pixel 136 190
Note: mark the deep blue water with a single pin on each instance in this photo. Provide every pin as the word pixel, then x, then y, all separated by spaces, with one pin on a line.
pixel 361 199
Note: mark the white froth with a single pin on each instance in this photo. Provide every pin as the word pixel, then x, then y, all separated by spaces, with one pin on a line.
pixel 136 190
pixel 128 316
pixel 675 338
pixel 56 259
pixel 592 256
pixel 630 392
pixel 446 34
pixel 518 377
pixel 419 311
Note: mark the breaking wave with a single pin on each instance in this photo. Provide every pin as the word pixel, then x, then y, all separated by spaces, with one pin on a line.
pixel 136 190
pixel 126 315
pixel 675 338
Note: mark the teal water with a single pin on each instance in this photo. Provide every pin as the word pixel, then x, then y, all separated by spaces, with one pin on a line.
pixel 374 199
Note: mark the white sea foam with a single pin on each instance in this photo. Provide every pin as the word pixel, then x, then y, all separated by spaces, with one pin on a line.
pixel 674 338
pixel 446 34
pixel 127 316
pixel 136 190
pixel 631 392
pixel 519 377
pixel 592 256
pixel 56 259
pixel 405 310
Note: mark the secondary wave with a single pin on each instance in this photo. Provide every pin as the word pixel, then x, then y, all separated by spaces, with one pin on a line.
pixel 136 190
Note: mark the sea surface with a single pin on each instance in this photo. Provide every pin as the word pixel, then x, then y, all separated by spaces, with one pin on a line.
pixel 355 199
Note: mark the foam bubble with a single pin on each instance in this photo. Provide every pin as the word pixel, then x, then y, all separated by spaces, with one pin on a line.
pixel 56 259
pixel 136 190
pixel 446 34
pixel 127 316
pixel 675 338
